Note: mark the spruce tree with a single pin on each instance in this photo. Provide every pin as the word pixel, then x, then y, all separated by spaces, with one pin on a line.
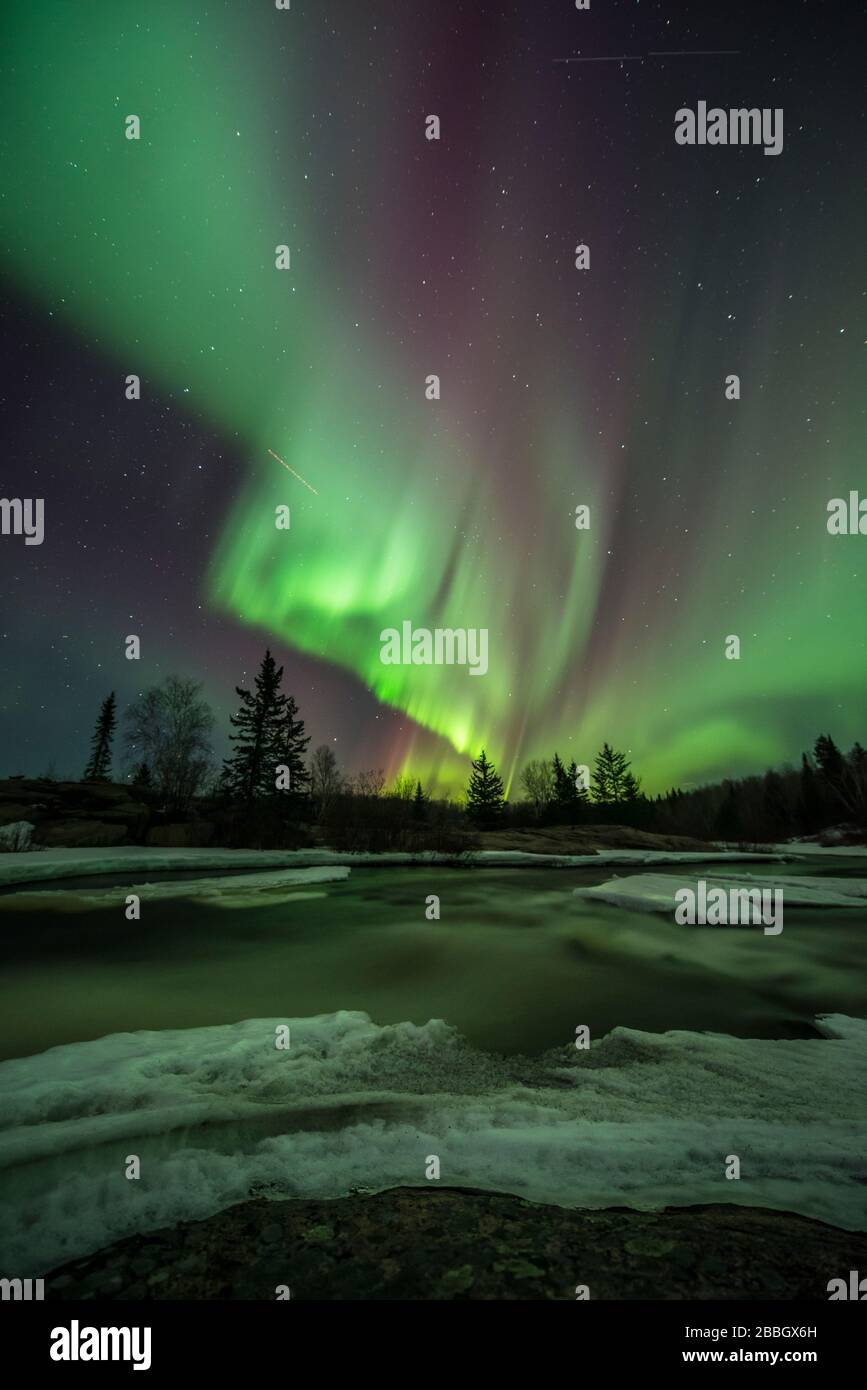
pixel 602 777
pixel 290 745
pixel 565 793
pixel 835 772
pixel 613 783
pixel 268 735
pixel 99 765
pixel 485 790
pixel 858 765
pixel 810 799
pixel 579 796
pixel 829 758
pixel 419 803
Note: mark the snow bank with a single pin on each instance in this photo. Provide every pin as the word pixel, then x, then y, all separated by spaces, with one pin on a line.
pixel 15 836
pixel 656 892
pixel 804 849
pixel 119 860
pixel 246 890
pixel 46 864
pixel 217 1114
pixel 505 858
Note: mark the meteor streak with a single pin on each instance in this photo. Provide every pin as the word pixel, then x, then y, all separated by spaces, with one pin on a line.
pixel 291 470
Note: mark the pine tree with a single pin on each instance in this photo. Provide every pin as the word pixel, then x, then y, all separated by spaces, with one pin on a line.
pixel 290 745
pixel 269 735
pixel 565 792
pixel 858 768
pixel 613 783
pixel 602 777
pixel 99 765
pixel 828 756
pixel 836 772
pixel 485 793
pixel 419 803
pixel 810 800
pixel 580 795
pixel 630 787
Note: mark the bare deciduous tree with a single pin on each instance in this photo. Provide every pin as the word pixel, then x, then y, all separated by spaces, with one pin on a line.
pixel 370 783
pixel 537 779
pixel 325 778
pixel 169 728
pixel 403 788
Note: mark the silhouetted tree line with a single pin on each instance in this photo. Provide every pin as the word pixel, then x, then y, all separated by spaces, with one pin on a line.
pixel 267 793
pixel 828 789
pixel 266 783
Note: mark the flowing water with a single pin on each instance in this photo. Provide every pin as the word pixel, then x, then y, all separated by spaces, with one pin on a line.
pixel 157 1038
pixel 515 961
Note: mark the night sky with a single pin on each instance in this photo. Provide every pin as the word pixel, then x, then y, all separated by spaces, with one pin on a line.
pixel 410 257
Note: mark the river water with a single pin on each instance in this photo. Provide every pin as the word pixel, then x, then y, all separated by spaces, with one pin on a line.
pixel 156 1039
pixel 515 962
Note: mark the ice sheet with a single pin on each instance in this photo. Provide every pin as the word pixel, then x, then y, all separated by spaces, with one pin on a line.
pixel 217 1114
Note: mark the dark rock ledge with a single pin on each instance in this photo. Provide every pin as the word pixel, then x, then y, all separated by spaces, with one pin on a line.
pixel 441 1243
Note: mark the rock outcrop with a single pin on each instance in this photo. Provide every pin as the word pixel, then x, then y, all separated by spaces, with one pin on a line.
pixel 86 814
pixel 423 1244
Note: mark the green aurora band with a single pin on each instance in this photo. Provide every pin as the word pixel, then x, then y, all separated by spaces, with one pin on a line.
pixel 165 257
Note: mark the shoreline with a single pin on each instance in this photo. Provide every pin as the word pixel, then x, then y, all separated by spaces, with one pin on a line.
pixel 27 867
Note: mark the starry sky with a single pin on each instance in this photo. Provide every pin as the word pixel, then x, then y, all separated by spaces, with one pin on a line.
pixel 455 257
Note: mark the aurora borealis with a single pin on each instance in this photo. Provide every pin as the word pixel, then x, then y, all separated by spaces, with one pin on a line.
pixel 455 257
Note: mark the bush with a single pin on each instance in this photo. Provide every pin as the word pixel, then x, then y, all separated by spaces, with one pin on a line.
pixel 256 825
pixel 376 825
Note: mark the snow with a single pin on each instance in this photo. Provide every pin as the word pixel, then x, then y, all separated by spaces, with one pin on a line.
pixel 802 849
pixel 15 836
pixel 506 857
pixel 118 860
pixel 656 892
pixel 39 865
pixel 42 865
pixel 246 890
pixel 218 1114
